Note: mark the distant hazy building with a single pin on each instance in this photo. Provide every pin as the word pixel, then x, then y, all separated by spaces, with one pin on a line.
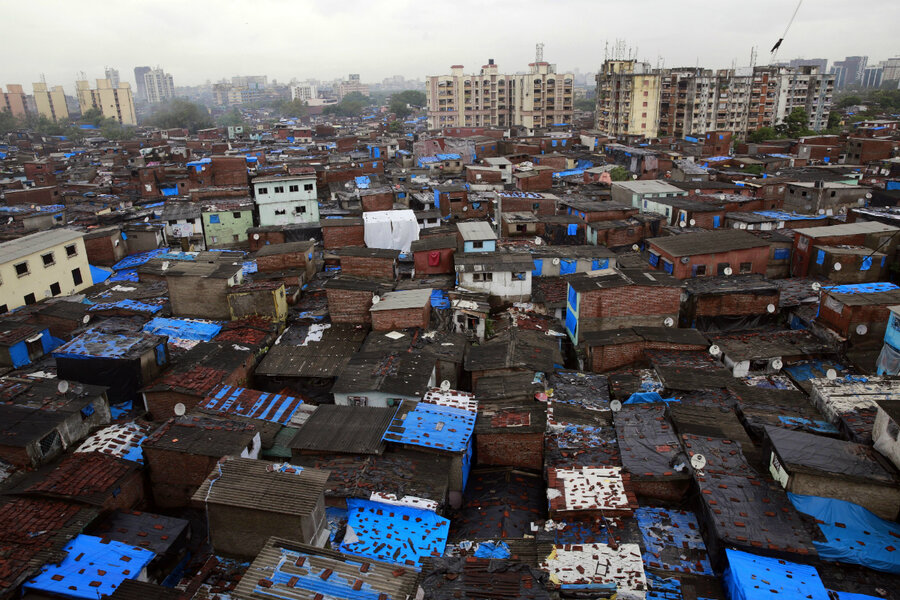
pixel 13 99
pixel 139 73
pixel 50 103
pixel 821 63
pixel 872 77
pixel 253 82
pixel 890 69
pixel 159 86
pixel 113 76
pixel 114 102
pixel 539 98
pixel 850 71
pixel 303 91
pixel 353 84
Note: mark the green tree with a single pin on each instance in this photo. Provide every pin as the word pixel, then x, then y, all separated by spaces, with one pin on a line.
pixel 619 174
pixel 762 134
pixel 352 105
pixel 395 127
pixel 834 122
pixel 92 116
pixel 795 124
pixel 293 109
pixel 230 118
pixel 183 114
pixel 8 122
pixel 849 100
pixel 585 104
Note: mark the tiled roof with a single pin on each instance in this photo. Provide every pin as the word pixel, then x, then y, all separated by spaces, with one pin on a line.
pixel 85 476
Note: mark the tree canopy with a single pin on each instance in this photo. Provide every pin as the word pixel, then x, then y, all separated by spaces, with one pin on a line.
pixel 181 114
pixel 293 109
pixel 400 103
pixel 352 105
pixel 619 174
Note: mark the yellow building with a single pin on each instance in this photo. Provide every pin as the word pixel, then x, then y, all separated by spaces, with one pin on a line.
pixel 114 102
pixel 42 265
pixel 50 103
pixel 628 99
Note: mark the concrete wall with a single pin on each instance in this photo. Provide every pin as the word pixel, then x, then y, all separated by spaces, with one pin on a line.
pixel 14 288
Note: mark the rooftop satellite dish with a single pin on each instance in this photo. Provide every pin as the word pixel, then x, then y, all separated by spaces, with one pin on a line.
pixel 86 319
pixel 821 211
pixel 693 222
pixel 736 226
pixel 837 266
pixel 62 387
pixel 742 225
pixel 831 374
pixel 634 176
pixel 376 299
pixel 715 350
pixel 685 260
pixel 146 219
pixel 115 242
pixel 179 410
pixel 555 261
pixel 777 364
pixel 668 321
pixel 816 286
pixel 698 461
pixel 445 386
pixel 635 247
pixel 868 195
pixel 770 308
pixel 615 405
pixel 862 329
pixel 255 236
pixel 728 270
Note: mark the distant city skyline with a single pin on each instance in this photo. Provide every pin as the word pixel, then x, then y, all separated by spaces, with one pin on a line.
pixel 207 41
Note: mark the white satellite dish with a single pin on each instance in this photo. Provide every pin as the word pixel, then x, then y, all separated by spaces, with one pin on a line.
pixel 837 266
pixel 615 405
pixel 146 219
pixel 862 329
pixel 715 350
pixel 62 387
pixel 831 374
pixel 634 176
pixel 255 236
pixel 698 461
pixel 736 226
pixel 376 299
pixel 635 247
pixel 445 386
pixel 668 321
pixel 728 271
pixel 555 261
pixel 115 242
pixel 821 211
pixel 771 308
pixel 693 222
pixel 777 364
pixel 465 208
pixel 86 319
pixel 868 195
pixel 179 409
pixel 681 224
pixel 816 286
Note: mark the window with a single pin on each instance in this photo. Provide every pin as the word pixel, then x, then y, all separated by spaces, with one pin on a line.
pixel 478 244
pixel 48 259
pixel 279 189
pixel 22 269
pixel 54 289
pixel 720 269
pixel 746 267
pixel 536 206
pixel 236 215
pixel 50 442
pixel 645 105
pixel 483 277
pixel 281 211
pixel 518 276
pixel 699 270
pixel 76 276
pixel 293 188
pixel 191 221
pixel 3 309
pixel 299 210
pixel 262 191
pixel 30 299
pixel 308 187
pixel 170 223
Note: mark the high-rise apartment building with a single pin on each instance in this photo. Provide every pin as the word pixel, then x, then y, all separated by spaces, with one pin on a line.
pixel 353 84
pixel 633 99
pixel 539 98
pixel 159 86
pixel 139 73
pixel 849 72
pixel 13 100
pixel 113 76
pixel 890 70
pixel 822 63
pixel 303 91
pixel 114 102
pixel 872 77
pixel 50 102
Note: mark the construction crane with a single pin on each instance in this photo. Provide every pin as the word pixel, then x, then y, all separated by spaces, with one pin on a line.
pixel 777 45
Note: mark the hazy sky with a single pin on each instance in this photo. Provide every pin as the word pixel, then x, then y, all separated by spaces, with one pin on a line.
pixel 199 40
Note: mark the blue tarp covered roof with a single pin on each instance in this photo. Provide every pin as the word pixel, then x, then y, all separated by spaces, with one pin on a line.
pixel 399 535
pixel 183 329
pixel 132 305
pixel 363 182
pixel 672 541
pixel 861 288
pixel 99 274
pixel 92 568
pixel 854 535
pixel 786 216
pixel 433 426
pixel 253 404
pixel 751 577
pixel 101 345
pixel 450 156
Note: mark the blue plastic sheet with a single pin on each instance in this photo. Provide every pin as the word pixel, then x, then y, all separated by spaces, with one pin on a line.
pixel 854 535
pixel 492 550
pixel 647 397
pixel 99 274
pixel 598 264
pixel 538 266
pixel 572 229
pixel 571 322
pixel 439 299
pixel 866 264
pixel 751 577
pixel 183 329
pixel 567 266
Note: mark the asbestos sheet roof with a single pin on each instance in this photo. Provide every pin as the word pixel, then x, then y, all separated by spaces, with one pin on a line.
pixel 204 437
pixel 287 570
pixel 344 429
pixel 263 485
pixel 403 300
pixel 29 244
pixel 707 242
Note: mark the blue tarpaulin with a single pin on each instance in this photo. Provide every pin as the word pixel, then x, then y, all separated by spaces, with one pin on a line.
pixel 572 229
pixel 571 322
pixel 854 535
pixel 439 299
pixel 538 266
pixel 99 274
pixel 567 266
pixel 672 541
pixel 598 264
pixel 646 397
pixel 866 264
pixel 782 253
pixel 183 329
pixel 820 257
pixel 752 577
pixel 492 550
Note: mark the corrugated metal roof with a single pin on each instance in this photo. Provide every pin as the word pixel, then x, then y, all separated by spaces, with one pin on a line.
pixel 286 570
pixel 262 485
pixel 403 299
pixel 344 429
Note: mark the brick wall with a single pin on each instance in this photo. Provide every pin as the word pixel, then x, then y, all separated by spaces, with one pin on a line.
pixel 340 237
pixel 445 265
pixel 734 304
pixel 538 206
pixel 175 476
pixel 388 320
pixel 873 316
pixel 757 257
pixel 103 250
pixel 349 306
pixel 265 237
pixel 511 450
pixel 37 195
pixel 282 262
pixel 606 358
pixel 384 201
pixel 368 267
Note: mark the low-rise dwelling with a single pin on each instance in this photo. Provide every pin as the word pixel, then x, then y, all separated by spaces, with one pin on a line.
pixel 503 275
pixel 402 309
pixel 709 253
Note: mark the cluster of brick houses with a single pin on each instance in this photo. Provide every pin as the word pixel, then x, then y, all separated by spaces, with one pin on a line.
pixel 448 364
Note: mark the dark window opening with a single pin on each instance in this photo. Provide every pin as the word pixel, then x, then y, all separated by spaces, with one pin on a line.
pixel 746 267
pixel 54 289
pixel 76 276
pixel 30 299
pixel 47 259
pixel 22 268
